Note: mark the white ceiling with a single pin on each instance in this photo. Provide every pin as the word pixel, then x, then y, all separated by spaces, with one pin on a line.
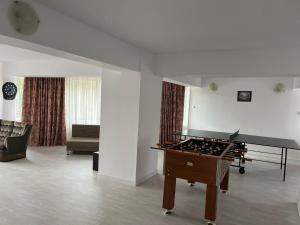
pixel 164 26
pixel 14 54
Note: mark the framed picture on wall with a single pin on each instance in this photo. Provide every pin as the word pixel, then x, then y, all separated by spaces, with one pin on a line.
pixel 244 96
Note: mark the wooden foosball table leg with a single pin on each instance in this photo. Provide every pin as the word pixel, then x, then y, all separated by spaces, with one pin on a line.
pixel 169 193
pixel 211 203
pixel 225 182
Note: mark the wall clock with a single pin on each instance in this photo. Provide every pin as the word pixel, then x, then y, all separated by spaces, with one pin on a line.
pixel 23 17
pixel 9 91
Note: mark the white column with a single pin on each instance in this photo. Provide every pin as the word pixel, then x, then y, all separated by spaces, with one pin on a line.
pixel 149 120
pixel 120 93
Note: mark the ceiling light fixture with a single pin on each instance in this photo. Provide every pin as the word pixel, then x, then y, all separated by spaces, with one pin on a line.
pixel 23 18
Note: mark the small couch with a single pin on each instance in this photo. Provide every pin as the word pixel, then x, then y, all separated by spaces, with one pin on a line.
pixel 85 139
pixel 14 138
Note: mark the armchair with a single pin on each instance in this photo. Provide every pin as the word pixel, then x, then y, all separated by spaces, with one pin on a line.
pixel 14 138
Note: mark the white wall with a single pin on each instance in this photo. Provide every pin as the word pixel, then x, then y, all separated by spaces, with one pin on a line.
pixel 187 80
pixel 248 63
pixel 120 93
pixel 149 120
pixel 66 34
pixel 8 112
pixel 57 67
pixel 269 113
pixel 1 82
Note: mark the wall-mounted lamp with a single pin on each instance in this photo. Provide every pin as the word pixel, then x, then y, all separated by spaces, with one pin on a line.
pixel 213 86
pixel 279 88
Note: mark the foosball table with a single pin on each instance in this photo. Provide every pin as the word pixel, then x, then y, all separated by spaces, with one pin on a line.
pixel 195 160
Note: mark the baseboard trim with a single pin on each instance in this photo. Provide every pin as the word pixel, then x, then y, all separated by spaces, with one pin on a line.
pixel 145 178
pixel 129 182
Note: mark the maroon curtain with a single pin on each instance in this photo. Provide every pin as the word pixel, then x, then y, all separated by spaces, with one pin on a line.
pixel 172 106
pixel 44 108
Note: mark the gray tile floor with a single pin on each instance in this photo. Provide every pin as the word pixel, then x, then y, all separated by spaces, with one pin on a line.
pixel 50 188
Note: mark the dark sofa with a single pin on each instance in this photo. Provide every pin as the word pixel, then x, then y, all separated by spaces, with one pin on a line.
pixel 14 138
pixel 85 139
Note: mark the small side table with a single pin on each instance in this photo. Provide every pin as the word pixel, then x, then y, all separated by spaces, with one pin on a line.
pixel 95 161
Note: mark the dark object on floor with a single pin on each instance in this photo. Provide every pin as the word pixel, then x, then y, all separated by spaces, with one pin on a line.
pixel 95 161
pixel 14 138
pixel 85 139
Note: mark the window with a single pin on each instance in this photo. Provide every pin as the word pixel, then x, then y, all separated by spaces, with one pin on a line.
pixel 83 101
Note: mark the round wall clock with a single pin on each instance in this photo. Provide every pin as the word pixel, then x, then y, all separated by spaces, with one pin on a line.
pixel 23 17
pixel 9 91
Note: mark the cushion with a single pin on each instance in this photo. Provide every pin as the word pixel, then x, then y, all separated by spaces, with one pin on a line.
pixel 83 142
pixel 89 131
pixel 2 143
pixel 7 123
pixel 18 129
pixel 6 128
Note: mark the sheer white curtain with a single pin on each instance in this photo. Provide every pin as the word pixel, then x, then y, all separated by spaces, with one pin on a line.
pixel 83 101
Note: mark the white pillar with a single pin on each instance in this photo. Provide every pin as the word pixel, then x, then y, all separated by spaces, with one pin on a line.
pixel 130 121
pixel 120 93
pixel 149 120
